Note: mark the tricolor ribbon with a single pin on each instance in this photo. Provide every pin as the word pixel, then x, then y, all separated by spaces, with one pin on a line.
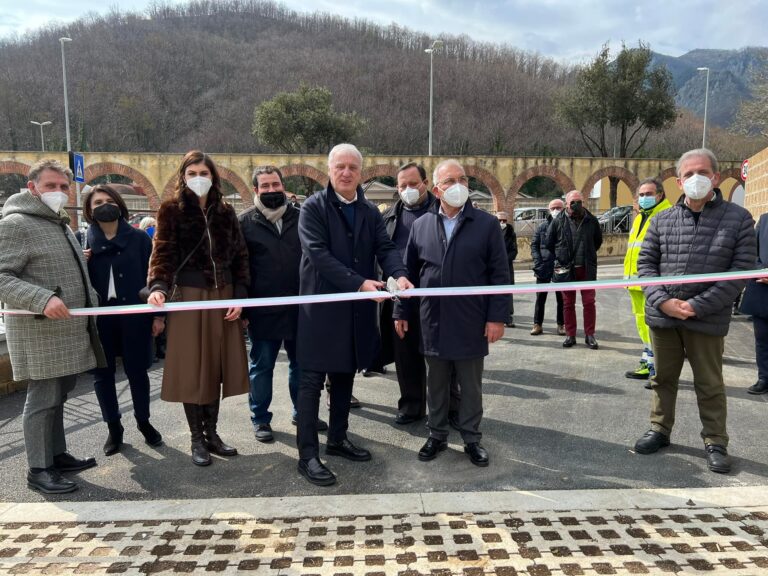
pixel 393 294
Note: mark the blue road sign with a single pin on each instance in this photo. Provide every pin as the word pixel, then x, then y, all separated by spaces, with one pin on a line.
pixel 79 168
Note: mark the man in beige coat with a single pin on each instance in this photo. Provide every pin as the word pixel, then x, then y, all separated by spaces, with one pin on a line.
pixel 42 270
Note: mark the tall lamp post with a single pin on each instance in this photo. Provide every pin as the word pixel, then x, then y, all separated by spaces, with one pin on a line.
pixel 66 119
pixel 706 99
pixel 431 51
pixel 66 101
pixel 42 136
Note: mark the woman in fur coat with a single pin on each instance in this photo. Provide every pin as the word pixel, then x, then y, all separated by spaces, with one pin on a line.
pixel 199 254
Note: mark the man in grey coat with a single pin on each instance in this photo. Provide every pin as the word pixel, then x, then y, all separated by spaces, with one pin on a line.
pixel 701 234
pixel 42 269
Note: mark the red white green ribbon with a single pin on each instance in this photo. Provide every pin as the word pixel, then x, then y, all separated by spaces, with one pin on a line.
pixel 440 292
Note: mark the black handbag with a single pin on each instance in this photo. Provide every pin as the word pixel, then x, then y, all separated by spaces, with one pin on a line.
pixel 175 293
pixel 565 273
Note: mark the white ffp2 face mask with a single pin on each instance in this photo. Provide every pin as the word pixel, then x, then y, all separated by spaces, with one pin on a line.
pixel 697 186
pixel 55 200
pixel 410 196
pixel 199 185
pixel 456 196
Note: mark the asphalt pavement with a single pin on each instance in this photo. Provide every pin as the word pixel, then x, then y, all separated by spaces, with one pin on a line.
pixel 555 419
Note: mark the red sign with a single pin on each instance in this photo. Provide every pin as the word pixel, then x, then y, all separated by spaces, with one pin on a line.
pixel 744 170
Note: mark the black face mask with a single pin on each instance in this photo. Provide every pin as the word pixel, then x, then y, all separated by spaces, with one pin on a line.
pixel 106 213
pixel 577 208
pixel 272 200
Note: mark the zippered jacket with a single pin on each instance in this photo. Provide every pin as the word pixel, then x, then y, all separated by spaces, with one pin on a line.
pixel 722 240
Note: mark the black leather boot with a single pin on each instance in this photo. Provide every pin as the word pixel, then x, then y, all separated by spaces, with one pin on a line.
pixel 200 454
pixel 114 439
pixel 151 436
pixel 212 440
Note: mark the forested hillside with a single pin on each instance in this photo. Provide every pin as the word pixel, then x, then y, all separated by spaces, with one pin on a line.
pixel 177 77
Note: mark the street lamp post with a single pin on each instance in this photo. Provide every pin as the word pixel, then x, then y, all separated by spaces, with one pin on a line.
pixel 706 99
pixel 66 101
pixel 66 118
pixel 42 136
pixel 431 51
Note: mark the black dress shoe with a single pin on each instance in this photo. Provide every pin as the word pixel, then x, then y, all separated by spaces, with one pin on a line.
pixel 651 442
pixel 316 472
pixel 353 402
pixel 65 462
pixel 373 372
pixel 347 450
pixel 590 341
pixel 431 448
pixel 569 341
pixel 717 458
pixel 759 387
pixel 50 481
pixel 477 454
pixel 403 419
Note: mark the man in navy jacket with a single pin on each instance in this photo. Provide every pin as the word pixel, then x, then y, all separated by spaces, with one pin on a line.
pixel 342 237
pixel 456 245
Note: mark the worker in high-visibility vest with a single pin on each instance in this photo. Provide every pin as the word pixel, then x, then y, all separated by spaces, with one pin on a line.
pixel 650 201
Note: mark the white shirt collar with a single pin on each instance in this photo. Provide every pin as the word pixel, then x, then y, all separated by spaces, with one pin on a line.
pixel 344 200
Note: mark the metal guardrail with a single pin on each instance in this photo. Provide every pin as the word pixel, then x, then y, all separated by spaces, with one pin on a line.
pixel 617 225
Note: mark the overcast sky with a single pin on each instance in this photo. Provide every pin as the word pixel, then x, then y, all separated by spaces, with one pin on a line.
pixel 566 30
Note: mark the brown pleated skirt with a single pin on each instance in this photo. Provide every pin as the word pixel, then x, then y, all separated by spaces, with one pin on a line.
pixel 205 358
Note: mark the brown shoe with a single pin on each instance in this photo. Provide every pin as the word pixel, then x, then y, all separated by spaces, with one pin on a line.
pixel 560 330
pixel 536 330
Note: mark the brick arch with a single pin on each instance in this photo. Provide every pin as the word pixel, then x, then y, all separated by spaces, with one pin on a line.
pixel 306 171
pixel 670 172
pixel 736 184
pixel 246 195
pixel 734 173
pixel 487 178
pixel 619 172
pixel 11 167
pixel 378 171
pixel 246 192
pixel 93 171
pixel 546 170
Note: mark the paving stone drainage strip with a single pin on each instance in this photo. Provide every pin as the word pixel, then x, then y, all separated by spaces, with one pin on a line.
pixel 686 541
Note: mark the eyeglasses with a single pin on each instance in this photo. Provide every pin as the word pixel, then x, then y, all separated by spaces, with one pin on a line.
pixel 448 182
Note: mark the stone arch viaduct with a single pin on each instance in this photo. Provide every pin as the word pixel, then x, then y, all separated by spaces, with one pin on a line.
pixel 503 175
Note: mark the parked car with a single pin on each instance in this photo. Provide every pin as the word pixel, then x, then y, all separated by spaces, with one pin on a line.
pixel 617 219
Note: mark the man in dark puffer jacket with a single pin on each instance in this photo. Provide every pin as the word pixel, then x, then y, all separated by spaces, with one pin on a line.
pixel 701 234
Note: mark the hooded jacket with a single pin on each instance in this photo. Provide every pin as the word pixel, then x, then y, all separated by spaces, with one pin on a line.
pixel 40 258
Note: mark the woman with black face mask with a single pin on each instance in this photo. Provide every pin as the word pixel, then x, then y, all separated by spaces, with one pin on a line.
pixel 118 258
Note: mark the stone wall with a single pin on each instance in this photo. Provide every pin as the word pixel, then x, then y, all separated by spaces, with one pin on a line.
pixel 756 187
pixel 614 247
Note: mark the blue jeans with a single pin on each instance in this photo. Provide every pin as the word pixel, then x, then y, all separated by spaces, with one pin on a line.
pixel 260 372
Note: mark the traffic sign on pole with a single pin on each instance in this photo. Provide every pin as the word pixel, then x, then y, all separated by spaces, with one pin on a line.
pixel 79 167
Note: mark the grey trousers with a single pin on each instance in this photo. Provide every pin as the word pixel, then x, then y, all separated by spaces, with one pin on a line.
pixel 469 376
pixel 43 419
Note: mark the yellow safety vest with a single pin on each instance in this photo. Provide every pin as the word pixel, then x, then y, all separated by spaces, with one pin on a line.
pixel 635 240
